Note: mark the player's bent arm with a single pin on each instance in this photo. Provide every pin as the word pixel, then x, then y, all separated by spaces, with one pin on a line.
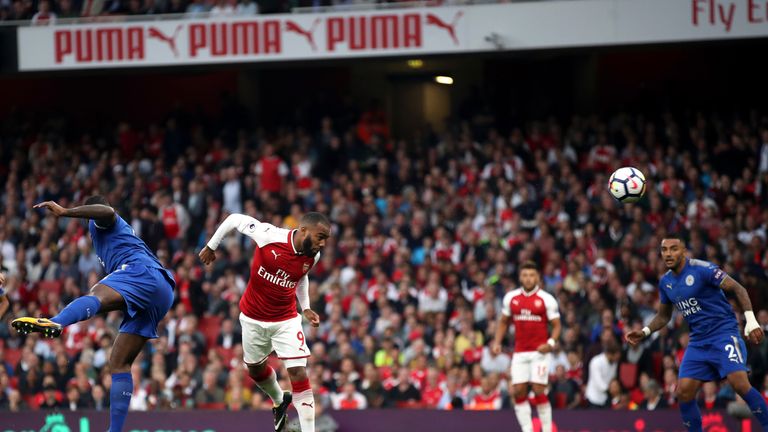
pixel 243 223
pixel 302 293
pixel 556 329
pixel 501 329
pixel 103 215
pixel 660 320
pixel 730 284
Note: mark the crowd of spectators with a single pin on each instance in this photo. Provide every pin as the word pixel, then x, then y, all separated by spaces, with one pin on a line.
pixel 45 12
pixel 426 237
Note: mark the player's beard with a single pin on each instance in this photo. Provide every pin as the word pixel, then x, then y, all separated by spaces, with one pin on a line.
pixel 306 246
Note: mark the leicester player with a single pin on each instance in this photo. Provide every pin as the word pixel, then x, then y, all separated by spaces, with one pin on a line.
pixel 136 283
pixel 716 350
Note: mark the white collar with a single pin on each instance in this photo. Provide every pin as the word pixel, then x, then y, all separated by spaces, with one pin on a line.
pixel 533 291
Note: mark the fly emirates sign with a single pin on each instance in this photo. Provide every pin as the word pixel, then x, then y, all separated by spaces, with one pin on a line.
pixel 404 32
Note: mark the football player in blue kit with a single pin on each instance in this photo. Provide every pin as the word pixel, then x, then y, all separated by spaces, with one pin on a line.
pixel 716 350
pixel 136 283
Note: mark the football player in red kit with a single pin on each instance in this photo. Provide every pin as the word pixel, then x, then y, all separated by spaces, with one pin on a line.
pixel 531 310
pixel 281 260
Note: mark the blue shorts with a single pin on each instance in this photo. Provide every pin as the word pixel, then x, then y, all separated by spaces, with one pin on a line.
pixel 718 358
pixel 148 294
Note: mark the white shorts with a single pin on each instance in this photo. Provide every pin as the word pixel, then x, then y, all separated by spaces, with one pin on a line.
pixel 285 338
pixel 530 367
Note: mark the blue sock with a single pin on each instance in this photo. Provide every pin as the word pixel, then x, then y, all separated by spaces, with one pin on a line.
pixel 757 405
pixel 691 416
pixel 119 399
pixel 81 309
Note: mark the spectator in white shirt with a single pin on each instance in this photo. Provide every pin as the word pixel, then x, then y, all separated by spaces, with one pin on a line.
pixel 246 8
pixel 495 364
pixel 433 299
pixel 44 16
pixel 602 369
pixel 232 189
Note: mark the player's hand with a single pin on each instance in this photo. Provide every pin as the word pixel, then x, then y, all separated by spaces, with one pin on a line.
pixel 312 317
pixel 51 206
pixel 207 255
pixel 634 337
pixel 495 348
pixel 544 348
pixel 756 336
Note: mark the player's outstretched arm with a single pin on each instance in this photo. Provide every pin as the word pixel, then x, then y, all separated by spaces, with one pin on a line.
pixel 501 330
pixel 243 223
pixel 660 320
pixel 752 329
pixel 104 215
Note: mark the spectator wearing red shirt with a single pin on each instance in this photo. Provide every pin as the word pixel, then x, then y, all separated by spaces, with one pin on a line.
pixel 488 398
pixel 271 170
pixel 349 399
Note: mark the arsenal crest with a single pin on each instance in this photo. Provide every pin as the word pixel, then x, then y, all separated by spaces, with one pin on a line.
pixel 305 268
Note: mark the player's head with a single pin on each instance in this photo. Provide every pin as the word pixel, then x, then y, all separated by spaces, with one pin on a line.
pixel 529 275
pixel 96 199
pixel 314 230
pixel 673 250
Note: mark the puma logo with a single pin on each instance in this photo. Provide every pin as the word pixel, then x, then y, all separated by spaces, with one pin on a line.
pixel 291 26
pixel 154 32
pixel 302 350
pixel 450 28
pixel 275 254
pixel 309 404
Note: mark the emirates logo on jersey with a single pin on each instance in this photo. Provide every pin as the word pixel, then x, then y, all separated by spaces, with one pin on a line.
pixel 281 279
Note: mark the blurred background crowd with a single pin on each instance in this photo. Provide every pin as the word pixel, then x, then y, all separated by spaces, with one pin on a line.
pixel 427 234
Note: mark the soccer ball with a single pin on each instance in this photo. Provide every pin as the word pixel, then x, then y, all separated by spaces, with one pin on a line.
pixel 627 184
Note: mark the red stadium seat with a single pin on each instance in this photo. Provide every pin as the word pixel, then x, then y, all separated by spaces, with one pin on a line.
pixel 225 354
pixel 628 375
pixel 13 356
pixel 212 406
pixel 210 326
pixel 657 359
pixel 561 400
pixel 49 286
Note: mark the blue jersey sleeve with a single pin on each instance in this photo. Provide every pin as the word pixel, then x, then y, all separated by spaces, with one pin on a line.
pixel 714 275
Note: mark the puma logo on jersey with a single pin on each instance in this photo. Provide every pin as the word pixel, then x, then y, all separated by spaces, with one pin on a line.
pixel 309 404
pixel 275 254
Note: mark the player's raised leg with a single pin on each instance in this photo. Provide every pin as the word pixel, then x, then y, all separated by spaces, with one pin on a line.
pixel 689 410
pixel 266 378
pixel 102 298
pixel 125 350
pixel 740 383
pixel 303 398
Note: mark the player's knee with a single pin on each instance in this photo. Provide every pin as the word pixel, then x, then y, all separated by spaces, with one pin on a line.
pixel 118 366
pixel 297 374
pixel 685 394
pixel 257 370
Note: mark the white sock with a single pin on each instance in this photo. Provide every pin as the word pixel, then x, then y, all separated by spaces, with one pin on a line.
pixel 271 387
pixel 305 405
pixel 523 414
pixel 545 416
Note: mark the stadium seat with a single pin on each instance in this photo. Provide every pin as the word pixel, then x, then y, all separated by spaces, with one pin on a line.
pixel 12 356
pixel 210 326
pixel 628 375
pixel 212 406
pixel 49 286
pixel 657 360
pixel 561 400
pixel 226 354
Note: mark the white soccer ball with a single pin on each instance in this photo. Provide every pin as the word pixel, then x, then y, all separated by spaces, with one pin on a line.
pixel 627 184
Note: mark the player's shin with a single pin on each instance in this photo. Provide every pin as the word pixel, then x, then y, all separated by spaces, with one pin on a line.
pixel 757 405
pixel 80 309
pixel 523 413
pixel 267 382
pixel 691 416
pixel 119 400
pixel 304 401
pixel 544 409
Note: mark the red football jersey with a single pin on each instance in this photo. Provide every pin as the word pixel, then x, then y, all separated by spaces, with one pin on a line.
pixel 531 313
pixel 276 271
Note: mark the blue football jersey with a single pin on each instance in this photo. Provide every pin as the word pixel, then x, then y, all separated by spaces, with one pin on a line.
pixel 696 294
pixel 119 244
